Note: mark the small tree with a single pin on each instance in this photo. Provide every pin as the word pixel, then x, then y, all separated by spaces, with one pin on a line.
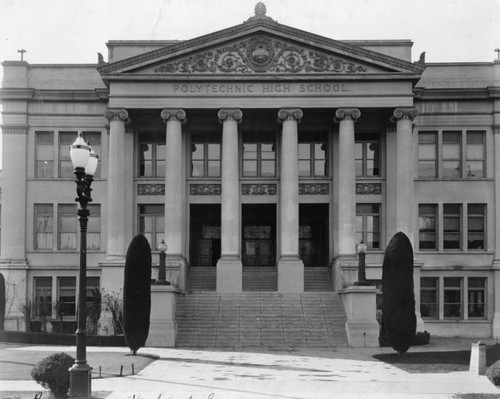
pixel 52 373
pixel 112 303
pixel 137 293
pixel 399 322
pixel 3 301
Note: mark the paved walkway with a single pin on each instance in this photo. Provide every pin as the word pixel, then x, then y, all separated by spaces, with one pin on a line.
pixel 309 374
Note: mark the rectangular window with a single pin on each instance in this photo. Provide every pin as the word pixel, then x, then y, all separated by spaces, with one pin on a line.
pixel 427 154
pixel 44 155
pixel 427 227
pixel 476 294
pixel 67 224
pixel 429 297
pixel 93 294
pixel 66 296
pixel 367 152
pixel 259 156
pixel 476 226
pixel 94 227
pixel 65 165
pixel 452 305
pixel 42 306
pixel 368 225
pixel 452 149
pixel 205 155
pixel 152 223
pixel 152 154
pixel 44 226
pixel 475 154
pixel 313 160
pixel 94 140
pixel 452 222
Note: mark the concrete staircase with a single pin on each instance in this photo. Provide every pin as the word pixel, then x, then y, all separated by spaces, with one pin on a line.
pixel 260 319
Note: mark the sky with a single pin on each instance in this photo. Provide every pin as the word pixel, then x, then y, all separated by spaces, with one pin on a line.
pixel 74 31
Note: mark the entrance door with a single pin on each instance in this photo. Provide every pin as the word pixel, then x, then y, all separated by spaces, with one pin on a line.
pixel 205 244
pixel 313 234
pixel 259 234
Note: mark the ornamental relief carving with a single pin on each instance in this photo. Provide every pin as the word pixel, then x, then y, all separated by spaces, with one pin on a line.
pixel 258 189
pixel 151 189
pixel 368 188
pixel 204 189
pixel 313 189
pixel 261 53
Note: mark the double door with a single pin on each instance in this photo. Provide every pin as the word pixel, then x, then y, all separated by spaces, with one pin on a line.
pixel 258 245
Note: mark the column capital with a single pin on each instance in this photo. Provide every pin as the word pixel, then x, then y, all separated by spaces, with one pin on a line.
pixel 177 114
pixel 351 114
pixel 496 128
pixel 117 115
pixel 230 114
pixel 409 113
pixel 289 114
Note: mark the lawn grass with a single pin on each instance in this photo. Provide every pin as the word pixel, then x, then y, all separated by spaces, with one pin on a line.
pixel 17 364
pixel 437 362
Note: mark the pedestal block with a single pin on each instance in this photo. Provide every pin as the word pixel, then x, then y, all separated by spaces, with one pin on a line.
pixel 162 327
pixel 478 358
pixel 360 304
pixel 229 274
pixel 290 275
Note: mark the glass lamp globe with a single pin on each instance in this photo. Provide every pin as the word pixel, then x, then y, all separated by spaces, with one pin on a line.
pixel 162 247
pixel 79 152
pixel 91 166
pixel 361 249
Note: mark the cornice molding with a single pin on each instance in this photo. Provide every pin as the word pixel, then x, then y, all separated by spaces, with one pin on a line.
pixel 290 114
pixel 496 128
pixel 349 114
pixel 178 115
pixel 29 94
pixel 14 129
pixel 230 114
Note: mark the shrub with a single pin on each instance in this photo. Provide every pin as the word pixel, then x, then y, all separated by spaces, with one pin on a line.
pixel 399 322
pixel 137 293
pixel 493 373
pixel 2 302
pixel 52 373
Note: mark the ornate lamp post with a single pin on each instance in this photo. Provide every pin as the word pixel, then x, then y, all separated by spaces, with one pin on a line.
pixel 85 163
pixel 162 274
pixel 361 250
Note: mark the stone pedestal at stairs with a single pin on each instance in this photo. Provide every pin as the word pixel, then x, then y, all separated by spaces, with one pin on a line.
pixel 361 326
pixel 163 327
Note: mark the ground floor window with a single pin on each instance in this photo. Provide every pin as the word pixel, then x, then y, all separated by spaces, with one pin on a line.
pixel 152 223
pixel 66 296
pixel 42 298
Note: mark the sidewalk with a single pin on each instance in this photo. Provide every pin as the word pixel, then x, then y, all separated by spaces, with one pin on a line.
pixel 253 373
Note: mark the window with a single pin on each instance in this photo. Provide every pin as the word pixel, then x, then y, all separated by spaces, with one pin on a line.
pixel 368 225
pixel 205 155
pixel 44 226
pixel 65 164
pixel 94 140
pixel 454 154
pixel 429 297
pixel 476 289
pixel 67 226
pixel 94 227
pixel 367 152
pixel 42 306
pixel 427 159
pixel 452 226
pixel 259 157
pixel 452 297
pixel 66 296
pixel 476 227
pixel 475 154
pixel 152 155
pixel 427 225
pixel 152 223
pixel 93 295
pixel 44 154
pixel 313 150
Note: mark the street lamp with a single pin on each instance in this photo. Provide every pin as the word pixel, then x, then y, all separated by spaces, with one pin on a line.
pixel 162 274
pixel 85 163
pixel 361 250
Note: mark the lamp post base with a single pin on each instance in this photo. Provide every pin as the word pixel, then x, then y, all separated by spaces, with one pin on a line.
pixel 80 378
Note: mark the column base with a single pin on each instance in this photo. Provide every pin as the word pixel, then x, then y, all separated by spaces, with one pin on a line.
pixel 80 381
pixel 290 274
pixel 229 274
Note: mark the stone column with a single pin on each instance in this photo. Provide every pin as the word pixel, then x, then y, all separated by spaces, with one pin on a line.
pixel 346 199
pixel 290 266
pixel 496 261
pixel 404 167
pixel 229 266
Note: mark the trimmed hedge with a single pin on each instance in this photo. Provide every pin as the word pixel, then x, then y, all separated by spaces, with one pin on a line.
pixel 52 373
pixel 493 373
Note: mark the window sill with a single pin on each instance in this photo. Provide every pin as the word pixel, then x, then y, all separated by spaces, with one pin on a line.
pixel 449 321
pixel 441 179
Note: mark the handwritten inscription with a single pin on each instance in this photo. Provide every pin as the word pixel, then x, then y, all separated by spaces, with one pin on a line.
pixel 260 88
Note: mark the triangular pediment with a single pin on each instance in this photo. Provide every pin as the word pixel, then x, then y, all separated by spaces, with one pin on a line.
pixel 259 47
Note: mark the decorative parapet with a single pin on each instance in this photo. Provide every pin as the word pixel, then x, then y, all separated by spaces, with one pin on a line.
pixel 368 188
pixel 151 189
pixel 205 189
pixel 173 115
pixel 258 189
pixel 314 188
pixel 349 114
pixel 230 114
pixel 290 114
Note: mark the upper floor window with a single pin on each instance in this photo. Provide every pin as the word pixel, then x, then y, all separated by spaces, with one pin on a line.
pixel 259 156
pixel 65 165
pixel 452 223
pixel 451 154
pixel 205 155
pixel 67 225
pixel 152 153
pixel 94 227
pixel 44 226
pixel 44 154
pixel 313 155
pixel 368 225
pixel 429 287
pixel 367 152
pixel 476 226
pixel 427 225
pixel 152 223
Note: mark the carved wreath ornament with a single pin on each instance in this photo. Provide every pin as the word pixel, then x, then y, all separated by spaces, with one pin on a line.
pixel 260 54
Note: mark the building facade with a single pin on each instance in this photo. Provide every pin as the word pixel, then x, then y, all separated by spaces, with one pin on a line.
pixel 258 146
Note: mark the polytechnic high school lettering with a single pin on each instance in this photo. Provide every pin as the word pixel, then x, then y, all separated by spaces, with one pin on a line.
pixel 260 88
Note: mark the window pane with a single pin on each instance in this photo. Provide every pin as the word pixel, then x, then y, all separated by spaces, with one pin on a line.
pixel 249 151
pixel 320 151
pixel 372 167
pixel 451 169
pixel 42 305
pixel 44 226
pixel 304 168
pixel 320 168
pixel 197 169
pixel 428 138
pixel 428 282
pixel 304 151
pixel 214 168
pixel 267 151
pixel 267 168
pixel 475 169
pixel 249 168
pixel 94 140
pixel 213 151
pixel 198 151
pixel 66 296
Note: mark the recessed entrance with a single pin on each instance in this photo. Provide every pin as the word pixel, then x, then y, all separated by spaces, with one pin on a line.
pixel 205 234
pixel 313 234
pixel 259 234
